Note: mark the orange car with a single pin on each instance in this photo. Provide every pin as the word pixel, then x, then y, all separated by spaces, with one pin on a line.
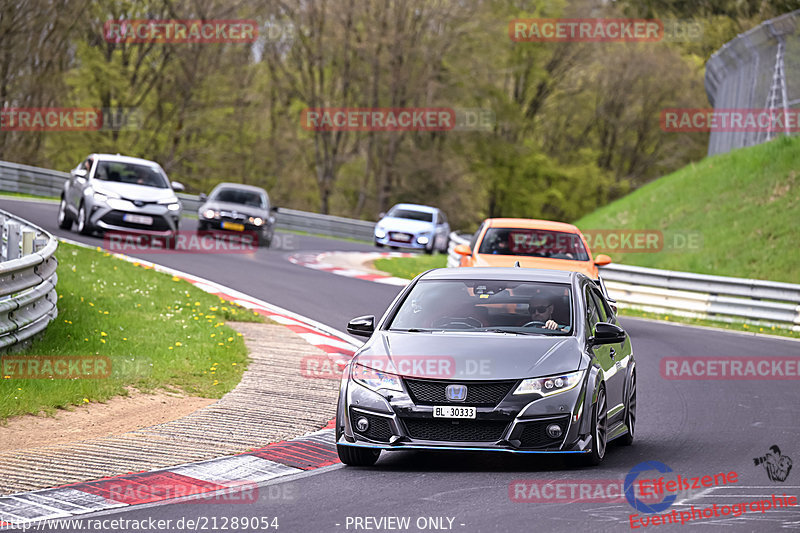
pixel 534 243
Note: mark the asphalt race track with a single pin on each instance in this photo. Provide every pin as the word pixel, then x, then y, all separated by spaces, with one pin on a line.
pixel 695 427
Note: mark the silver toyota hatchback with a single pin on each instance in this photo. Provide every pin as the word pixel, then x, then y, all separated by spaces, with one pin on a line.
pixel 118 193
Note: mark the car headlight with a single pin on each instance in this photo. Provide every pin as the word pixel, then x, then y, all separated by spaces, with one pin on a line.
pixel 172 203
pixel 174 207
pixel 550 385
pixel 380 233
pixel 256 221
pixel 210 213
pixel 423 239
pixel 376 379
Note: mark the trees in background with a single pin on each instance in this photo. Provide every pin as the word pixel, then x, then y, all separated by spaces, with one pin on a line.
pixel 575 124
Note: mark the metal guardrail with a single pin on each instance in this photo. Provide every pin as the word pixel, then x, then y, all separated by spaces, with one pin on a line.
pixel 725 299
pixel 44 182
pixel 27 280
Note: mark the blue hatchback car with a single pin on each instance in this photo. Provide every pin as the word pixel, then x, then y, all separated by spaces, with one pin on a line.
pixel 418 227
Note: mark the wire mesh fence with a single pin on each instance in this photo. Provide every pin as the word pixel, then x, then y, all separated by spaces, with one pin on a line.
pixel 758 70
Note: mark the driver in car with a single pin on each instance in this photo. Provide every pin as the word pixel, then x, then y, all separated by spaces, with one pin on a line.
pixel 540 307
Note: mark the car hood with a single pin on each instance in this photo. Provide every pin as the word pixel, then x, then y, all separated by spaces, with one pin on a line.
pixel 471 356
pixel 248 210
pixel 404 224
pixel 491 260
pixel 132 191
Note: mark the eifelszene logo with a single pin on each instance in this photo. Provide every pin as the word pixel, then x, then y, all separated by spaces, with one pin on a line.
pixel 777 466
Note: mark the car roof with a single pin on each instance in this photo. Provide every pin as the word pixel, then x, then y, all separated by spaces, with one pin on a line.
pixel 123 159
pixel 240 186
pixel 530 223
pixel 418 207
pixel 504 273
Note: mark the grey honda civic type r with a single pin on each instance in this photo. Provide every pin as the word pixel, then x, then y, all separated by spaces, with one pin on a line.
pixel 489 359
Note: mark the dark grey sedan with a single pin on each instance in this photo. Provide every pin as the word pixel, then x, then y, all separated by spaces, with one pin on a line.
pixel 491 359
pixel 234 207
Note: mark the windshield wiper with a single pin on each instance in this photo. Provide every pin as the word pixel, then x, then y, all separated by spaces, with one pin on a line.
pixel 413 330
pixel 501 330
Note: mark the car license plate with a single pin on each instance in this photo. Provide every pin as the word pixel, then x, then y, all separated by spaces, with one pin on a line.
pixel 138 219
pixel 451 411
pixel 233 226
pixel 401 237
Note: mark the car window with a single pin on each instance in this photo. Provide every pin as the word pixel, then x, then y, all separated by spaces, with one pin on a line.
pixel 239 196
pixel 118 172
pixel 592 314
pixel 443 218
pixel 485 305
pixel 602 312
pixel 533 243
pixel 410 214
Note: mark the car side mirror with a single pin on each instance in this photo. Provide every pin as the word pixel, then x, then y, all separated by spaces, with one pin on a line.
pixel 363 326
pixel 273 209
pixel 602 260
pixel 203 197
pixel 605 333
pixel 381 215
pixel 177 186
pixel 79 173
pixel 462 249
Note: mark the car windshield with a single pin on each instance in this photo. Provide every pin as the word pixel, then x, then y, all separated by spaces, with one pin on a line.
pixel 148 176
pixel 411 214
pixel 238 196
pixel 516 307
pixel 533 243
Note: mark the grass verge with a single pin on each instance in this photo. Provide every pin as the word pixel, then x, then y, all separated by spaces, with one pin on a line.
pixel 158 332
pixel 410 267
pixel 735 326
pixel 744 205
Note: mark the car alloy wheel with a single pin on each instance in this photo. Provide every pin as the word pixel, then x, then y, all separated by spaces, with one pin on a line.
pixel 599 429
pixel 64 221
pixel 83 223
pixel 630 415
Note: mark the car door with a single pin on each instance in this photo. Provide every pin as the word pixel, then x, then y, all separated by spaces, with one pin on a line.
pixel 619 355
pixel 602 354
pixel 77 184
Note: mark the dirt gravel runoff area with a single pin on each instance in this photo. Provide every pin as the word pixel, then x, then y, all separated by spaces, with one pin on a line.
pixel 273 402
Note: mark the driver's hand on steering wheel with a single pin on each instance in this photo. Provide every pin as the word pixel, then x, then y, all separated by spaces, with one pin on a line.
pixel 551 324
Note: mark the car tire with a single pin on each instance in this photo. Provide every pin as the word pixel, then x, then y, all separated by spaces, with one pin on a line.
pixel 265 240
pixel 599 429
pixel 64 218
pixel 84 226
pixel 353 456
pixel 630 414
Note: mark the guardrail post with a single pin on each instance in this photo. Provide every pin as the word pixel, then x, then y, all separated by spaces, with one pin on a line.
pixel 27 242
pixel 39 243
pixel 12 241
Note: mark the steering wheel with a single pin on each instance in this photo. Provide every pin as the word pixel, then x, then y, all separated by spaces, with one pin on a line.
pixel 537 323
pixel 466 322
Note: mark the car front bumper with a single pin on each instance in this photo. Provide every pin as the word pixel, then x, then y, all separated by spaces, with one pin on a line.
pixel 164 222
pixel 517 424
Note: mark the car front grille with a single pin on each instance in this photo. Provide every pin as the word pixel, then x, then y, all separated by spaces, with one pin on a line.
pixel 484 394
pixel 534 434
pixel 232 216
pixel 455 430
pixel 114 218
pixel 379 427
